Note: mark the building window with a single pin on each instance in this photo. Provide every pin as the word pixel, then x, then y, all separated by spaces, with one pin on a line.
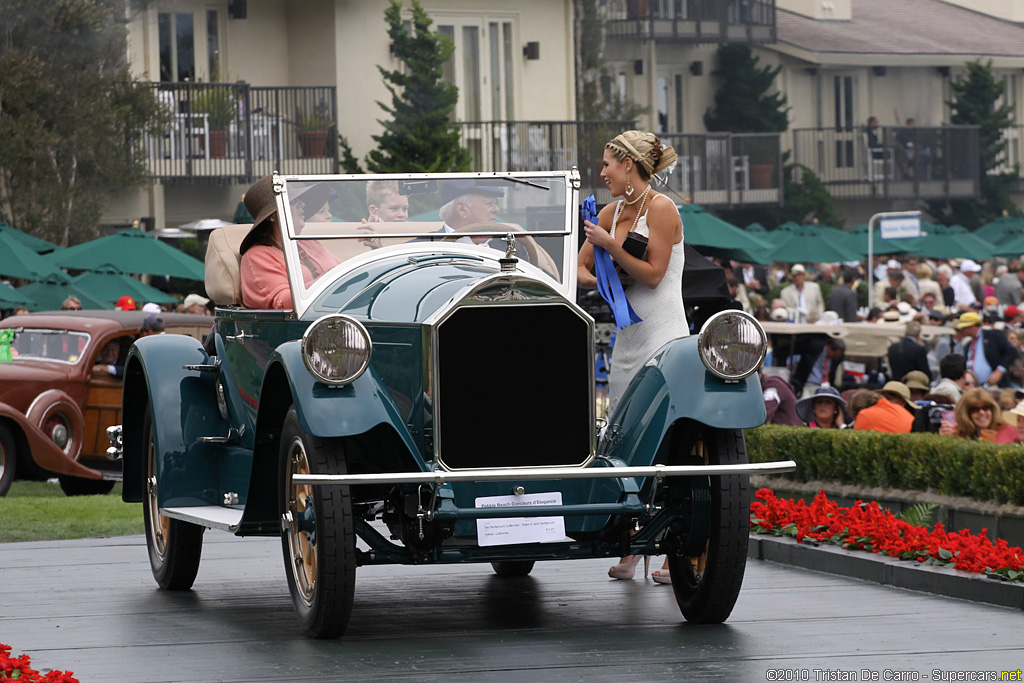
pixel 213 46
pixel 177 47
pixel 844 119
pixel 483 67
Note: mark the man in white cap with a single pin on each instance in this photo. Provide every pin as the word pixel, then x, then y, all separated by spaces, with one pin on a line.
pixel 963 296
pixel 894 278
pixel 196 304
pixel 803 299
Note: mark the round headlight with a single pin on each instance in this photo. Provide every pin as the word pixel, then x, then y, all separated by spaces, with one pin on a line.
pixel 732 344
pixel 336 349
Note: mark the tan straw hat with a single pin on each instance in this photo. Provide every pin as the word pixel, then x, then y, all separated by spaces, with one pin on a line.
pixel 261 202
pixel 899 390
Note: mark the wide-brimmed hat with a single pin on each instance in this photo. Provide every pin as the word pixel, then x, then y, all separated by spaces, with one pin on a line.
pixel 968 319
pixel 261 202
pixel 915 379
pixel 906 312
pixel 453 189
pixel 969 266
pixel 805 406
pixel 900 391
pixel 193 299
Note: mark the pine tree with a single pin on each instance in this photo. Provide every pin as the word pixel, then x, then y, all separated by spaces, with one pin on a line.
pixel 742 102
pixel 976 102
pixel 420 137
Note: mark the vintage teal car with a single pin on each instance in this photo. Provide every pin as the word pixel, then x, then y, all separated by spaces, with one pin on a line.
pixel 430 399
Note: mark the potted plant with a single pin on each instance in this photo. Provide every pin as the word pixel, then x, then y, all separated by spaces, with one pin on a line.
pixel 218 103
pixel 312 130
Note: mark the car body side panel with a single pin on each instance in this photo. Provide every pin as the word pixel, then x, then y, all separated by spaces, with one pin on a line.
pixel 183 408
pixel 45 452
pixel 673 385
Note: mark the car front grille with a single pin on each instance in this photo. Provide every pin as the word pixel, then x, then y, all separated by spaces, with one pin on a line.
pixel 514 387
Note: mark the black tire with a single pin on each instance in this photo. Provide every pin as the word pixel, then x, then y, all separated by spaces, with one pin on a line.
pixel 318 536
pixel 8 460
pixel 76 486
pixel 708 596
pixel 175 547
pixel 513 568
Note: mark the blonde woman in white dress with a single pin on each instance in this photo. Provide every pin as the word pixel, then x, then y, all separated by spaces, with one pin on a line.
pixel 654 289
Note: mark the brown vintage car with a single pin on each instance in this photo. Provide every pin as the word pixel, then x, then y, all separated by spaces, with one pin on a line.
pixel 55 403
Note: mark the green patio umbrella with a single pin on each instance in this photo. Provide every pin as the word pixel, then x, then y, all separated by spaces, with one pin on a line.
pixel 857 242
pixel 12 298
pixel 36 244
pixel 756 228
pixel 21 262
pixel 133 252
pixel 805 244
pixel 1001 229
pixel 940 241
pixel 1010 248
pixel 50 293
pixel 711 235
pixel 110 284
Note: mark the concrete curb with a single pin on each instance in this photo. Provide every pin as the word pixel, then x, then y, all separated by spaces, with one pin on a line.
pixel 887 571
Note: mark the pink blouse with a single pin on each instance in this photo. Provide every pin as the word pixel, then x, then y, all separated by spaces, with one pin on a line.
pixel 265 277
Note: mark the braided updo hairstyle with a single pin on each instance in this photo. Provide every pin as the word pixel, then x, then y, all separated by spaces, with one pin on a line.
pixel 644 149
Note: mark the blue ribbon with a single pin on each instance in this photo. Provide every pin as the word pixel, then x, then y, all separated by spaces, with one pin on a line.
pixel 608 283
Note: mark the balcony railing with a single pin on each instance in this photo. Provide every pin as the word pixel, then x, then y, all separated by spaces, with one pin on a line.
pixel 237 132
pixel 693 21
pixel 716 169
pixel 899 162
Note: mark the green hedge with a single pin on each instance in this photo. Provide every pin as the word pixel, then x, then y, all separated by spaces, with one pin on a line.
pixel 943 464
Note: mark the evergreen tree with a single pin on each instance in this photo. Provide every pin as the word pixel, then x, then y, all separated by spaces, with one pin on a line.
pixel 420 137
pixel 976 102
pixel 71 116
pixel 742 102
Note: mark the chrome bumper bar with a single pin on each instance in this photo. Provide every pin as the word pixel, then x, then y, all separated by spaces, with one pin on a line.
pixel 535 473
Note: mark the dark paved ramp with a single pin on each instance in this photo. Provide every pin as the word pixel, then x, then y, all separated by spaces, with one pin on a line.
pixel 92 606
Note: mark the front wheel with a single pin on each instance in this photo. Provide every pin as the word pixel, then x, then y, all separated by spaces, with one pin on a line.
pixel 175 547
pixel 77 486
pixel 317 532
pixel 512 567
pixel 706 586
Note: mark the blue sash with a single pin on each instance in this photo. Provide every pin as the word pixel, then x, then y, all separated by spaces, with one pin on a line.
pixel 608 283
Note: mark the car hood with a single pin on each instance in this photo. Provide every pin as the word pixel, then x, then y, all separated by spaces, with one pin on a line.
pixel 401 289
pixel 19 375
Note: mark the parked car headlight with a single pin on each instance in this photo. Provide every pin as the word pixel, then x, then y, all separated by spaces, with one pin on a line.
pixel 336 349
pixel 732 344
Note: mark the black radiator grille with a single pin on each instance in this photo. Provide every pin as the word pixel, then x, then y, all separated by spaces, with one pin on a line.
pixel 514 387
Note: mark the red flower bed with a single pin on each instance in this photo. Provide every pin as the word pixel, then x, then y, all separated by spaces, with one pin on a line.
pixel 867 526
pixel 20 669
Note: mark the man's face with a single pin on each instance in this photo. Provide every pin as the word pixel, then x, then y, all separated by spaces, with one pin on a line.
pixel 476 208
pixel 394 209
pixel 798 279
pixel 833 354
pixel 971 331
pixel 928 301
pixel 108 356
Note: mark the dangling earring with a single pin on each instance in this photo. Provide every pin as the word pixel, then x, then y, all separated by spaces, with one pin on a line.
pixel 629 187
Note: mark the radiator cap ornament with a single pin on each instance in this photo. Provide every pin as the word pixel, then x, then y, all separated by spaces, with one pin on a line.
pixel 508 263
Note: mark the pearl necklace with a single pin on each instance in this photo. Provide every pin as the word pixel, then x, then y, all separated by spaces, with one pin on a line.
pixel 639 196
pixel 643 200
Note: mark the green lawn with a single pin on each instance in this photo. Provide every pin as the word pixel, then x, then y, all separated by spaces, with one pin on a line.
pixel 39 511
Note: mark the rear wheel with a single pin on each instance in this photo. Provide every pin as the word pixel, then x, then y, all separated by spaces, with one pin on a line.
pixel 317 532
pixel 706 586
pixel 175 547
pixel 8 460
pixel 512 567
pixel 76 486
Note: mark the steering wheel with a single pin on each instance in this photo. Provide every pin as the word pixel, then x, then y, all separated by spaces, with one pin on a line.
pixel 534 252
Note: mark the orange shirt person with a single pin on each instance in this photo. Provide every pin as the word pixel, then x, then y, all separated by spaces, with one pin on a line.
pixel 263 272
pixel 892 412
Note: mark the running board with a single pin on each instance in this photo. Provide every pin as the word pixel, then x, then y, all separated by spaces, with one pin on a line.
pixel 544 473
pixel 210 516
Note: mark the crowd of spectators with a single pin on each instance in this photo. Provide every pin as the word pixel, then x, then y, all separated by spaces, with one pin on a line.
pixel 965 379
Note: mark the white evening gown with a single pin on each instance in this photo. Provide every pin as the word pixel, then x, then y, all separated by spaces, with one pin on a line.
pixel 661 310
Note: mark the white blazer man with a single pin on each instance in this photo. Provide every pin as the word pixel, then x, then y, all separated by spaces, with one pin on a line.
pixel 803 299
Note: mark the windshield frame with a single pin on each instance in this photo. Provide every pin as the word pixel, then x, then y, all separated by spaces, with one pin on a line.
pixel 303 298
pixel 54 331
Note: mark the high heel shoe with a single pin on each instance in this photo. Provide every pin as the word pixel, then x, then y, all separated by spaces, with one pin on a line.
pixel 662 576
pixel 627 567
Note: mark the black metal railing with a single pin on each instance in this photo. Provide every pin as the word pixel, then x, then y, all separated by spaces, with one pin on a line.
pixel 718 169
pixel 239 132
pixel 895 162
pixel 693 21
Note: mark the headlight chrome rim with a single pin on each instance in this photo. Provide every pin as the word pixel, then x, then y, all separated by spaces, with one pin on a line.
pixel 308 340
pixel 704 339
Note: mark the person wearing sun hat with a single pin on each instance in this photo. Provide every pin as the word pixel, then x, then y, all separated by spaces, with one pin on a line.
pixel 263 272
pixel 989 354
pixel 894 412
pixel 825 409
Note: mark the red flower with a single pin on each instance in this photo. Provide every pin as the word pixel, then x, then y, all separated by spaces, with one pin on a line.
pixel 18 668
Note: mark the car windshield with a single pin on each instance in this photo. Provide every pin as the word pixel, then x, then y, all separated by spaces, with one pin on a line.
pixel 335 220
pixel 62 346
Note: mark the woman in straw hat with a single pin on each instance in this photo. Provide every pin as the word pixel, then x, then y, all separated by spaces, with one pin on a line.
pixel 825 409
pixel 654 280
pixel 263 272
pixel 978 417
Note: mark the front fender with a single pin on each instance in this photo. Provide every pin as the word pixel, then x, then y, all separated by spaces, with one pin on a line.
pixel 182 408
pixel 673 385
pixel 44 452
pixel 350 410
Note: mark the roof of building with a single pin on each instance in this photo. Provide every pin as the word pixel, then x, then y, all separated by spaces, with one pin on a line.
pixel 906 27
